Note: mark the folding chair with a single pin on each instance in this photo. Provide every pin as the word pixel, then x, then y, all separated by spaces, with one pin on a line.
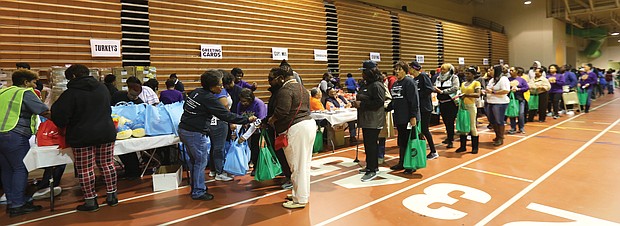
pixel 571 98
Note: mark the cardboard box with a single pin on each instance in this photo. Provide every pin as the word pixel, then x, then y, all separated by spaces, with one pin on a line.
pixel 167 178
pixel 336 134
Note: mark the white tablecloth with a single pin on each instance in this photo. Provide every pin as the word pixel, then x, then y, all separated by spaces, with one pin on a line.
pixel 40 157
pixel 336 118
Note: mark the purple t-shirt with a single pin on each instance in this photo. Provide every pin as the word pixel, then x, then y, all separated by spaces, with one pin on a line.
pixel 244 84
pixel 592 79
pixel 170 96
pixel 559 82
pixel 257 108
pixel 521 88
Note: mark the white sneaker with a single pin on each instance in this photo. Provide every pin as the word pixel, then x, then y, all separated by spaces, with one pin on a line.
pixel 45 193
pixel 223 177
pixel 211 173
pixel 3 200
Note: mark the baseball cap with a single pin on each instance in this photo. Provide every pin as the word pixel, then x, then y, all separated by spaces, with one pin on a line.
pixel 415 65
pixel 368 64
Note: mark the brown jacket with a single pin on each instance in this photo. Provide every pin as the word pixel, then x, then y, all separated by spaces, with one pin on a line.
pixel 287 101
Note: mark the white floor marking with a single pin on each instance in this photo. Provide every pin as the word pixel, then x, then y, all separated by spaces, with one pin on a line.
pixel 497 174
pixel 527 189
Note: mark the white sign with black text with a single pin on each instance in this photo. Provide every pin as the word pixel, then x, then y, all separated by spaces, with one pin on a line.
pixel 279 53
pixel 320 55
pixel 419 58
pixel 501 61
pixel 105 48
pixel 375 56
pixel 462 60
pixel 210 51
pixel 485 61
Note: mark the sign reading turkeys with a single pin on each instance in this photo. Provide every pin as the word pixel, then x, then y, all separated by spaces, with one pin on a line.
pixel 105 48
pixel 210 52
pixel 375 56
pixel 320 55
pixel 279 53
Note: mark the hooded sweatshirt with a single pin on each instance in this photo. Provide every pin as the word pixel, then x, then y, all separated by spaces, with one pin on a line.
pixel 532 74
pixel 84 110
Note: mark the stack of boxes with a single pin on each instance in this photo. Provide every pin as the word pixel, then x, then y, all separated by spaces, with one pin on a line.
pixel 5 78
pixel 143 73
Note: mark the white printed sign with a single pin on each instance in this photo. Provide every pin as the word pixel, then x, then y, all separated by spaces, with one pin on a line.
pixel 462 60
pixel 279 53
pixel 375 56
pixel 210 52
pixel 485 61
pixel 419 58
pixel 105 48
pixel 320 55
pixel 501 61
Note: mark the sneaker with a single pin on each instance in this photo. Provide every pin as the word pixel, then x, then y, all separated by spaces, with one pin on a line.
pixel 26 208
pixel 45 193
pixel 204 197
pixel 556 116
pixel 409 171
pixel 369 176
pixel 293 205
pixel 549 113
pixel 3 200
pixel 512 131
pixel 288 185
pixel 432 155
pixel 522 131
pixel 397 167
pixel 211 173
pixel 381 160
pixel 289 197
pixel 364 170
pixel 223 177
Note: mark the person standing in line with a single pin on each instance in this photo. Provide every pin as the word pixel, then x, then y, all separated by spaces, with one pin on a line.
pixel 292 117
pixel 539 86
pixel 250 105
pixel 84 111
pixel 200 110
pixel 370 102
pixel 425 90
pixel 273 89
pixel 446 87
pixel 470 91
pixel 388 129
pixel 406 110
pixel 587 82
pixel 519 86
pixel 21 106
pixel 557 82
pixel 220 133
pixel 497 97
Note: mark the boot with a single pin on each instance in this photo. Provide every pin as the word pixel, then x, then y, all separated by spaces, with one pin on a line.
pixel 500 135
pixel 495 129
pixel 463 144
pixel 587 108
pixel 90 205
pixel 112 199
pixel 474 144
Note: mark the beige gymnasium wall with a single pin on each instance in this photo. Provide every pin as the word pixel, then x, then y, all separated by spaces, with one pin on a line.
pixel 444 9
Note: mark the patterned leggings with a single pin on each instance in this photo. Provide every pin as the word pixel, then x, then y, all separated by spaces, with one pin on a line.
pixel 85 159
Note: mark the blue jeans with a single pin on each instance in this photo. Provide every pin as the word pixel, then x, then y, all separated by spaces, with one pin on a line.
pixel 352 129
pixel 497 113
pixel 590 91
pixel 13 149
pixel 513 120
pixel 196 145
pixel 218 146
pixel 610 87
pixel 381 148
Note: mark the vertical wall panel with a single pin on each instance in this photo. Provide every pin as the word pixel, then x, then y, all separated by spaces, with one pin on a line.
pixel 246 29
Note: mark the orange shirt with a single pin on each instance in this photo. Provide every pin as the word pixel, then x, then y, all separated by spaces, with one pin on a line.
pixel 315 104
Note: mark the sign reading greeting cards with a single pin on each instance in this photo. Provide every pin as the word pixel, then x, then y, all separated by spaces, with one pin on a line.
pixel 375 56
pixel 279 53
pixel 210 52
pixel 105 48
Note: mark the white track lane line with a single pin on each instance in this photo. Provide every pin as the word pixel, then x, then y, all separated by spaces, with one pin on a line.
pixel 497 174
pixel 527 189
pixel 330 220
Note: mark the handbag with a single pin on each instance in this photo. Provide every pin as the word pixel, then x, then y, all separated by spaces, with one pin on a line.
pixel 462 120
pixel 415 155
pixel 513 106
pixel 48 134
pixel 582 95
pixel 282 139
pixel 267 166
pixel 318 141
pixel 237 157
pixel 533 103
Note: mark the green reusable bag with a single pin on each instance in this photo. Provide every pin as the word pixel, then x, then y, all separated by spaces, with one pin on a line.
pixel 533 103
pixel 318 141
pixel 415 155
pixel 462 119
pixel 513 106
pixel 267 166
pixel 583 96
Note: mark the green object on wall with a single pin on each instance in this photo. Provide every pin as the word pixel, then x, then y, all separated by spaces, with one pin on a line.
pixel 596 36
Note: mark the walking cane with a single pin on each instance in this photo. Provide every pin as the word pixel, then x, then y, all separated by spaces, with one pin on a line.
pixel 357 145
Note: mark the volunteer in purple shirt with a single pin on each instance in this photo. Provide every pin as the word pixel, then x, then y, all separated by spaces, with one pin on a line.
pixel 249 105
pixel 238 73
pixel 170 95
pixel 518 85
pixel 557 81
pixel 587 81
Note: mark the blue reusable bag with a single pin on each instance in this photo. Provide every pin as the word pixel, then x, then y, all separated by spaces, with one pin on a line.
pixel 157 121
pixel 133 112
pixel 175 110
pixel 237 158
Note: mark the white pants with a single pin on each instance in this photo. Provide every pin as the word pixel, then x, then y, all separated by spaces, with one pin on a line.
pixel 299 154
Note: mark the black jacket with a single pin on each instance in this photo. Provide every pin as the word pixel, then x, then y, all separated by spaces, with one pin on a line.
pixel 371 112
pixel 404 101
pixel 234 95
pixel 84 109
pixel 111 88
pixel 201 105
pixel 425 90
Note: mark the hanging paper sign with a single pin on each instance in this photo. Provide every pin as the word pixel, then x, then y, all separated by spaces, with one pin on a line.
pixel 485 61
pixel 501 61
pixel 419 58
pixel 105 48
pixel 320 55
pixel 375 56
pixel 210 51
pixel 279 53
pixel 462 60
